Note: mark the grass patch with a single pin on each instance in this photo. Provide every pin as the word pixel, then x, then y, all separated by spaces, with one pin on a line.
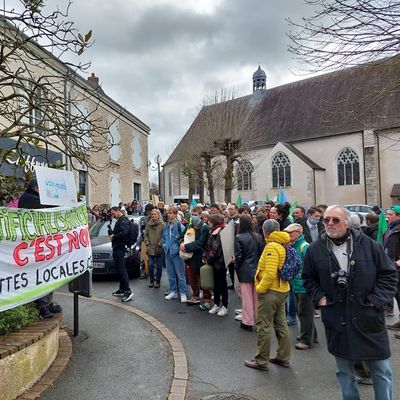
pixel 16 318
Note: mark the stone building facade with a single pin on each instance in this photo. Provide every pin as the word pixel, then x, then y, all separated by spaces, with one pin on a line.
pixel 122 173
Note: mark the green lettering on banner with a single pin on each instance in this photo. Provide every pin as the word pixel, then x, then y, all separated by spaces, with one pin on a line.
pixel 51 226
pixel 14 224
pixel 44 223
pixel 25 218
pixel 58 217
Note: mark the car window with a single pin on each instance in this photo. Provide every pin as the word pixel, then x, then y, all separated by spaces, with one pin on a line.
pixel 100 228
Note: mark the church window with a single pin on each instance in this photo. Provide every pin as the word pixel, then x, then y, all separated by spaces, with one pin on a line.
pixel 170 177
pixel 243 175
pixel 281 174
pixel 348 165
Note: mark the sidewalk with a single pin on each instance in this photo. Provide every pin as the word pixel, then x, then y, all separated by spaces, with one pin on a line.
pixel 117 355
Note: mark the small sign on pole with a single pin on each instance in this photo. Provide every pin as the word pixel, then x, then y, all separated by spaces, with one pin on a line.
pixel 56 187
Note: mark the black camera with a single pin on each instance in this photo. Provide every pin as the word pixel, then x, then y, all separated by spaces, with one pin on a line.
pixel 341 279
pixel 110 231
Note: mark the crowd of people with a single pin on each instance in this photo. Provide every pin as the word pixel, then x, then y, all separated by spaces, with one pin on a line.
pixel 344 273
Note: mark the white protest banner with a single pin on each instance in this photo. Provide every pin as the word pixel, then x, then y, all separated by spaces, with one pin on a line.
pixel 56 187
pixel 41 250
pixel 228 241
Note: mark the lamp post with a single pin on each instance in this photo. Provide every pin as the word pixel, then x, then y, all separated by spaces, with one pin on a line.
pixel 157 160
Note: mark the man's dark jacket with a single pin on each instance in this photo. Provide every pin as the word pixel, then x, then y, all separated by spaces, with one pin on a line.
pixel 306 229
pixel 248 249
pixel 371 230
pixel 391 243
pixel 355 330
pixel 121 231
pixel 197 246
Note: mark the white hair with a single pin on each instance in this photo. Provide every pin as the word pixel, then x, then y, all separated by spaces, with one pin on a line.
pixel 347 214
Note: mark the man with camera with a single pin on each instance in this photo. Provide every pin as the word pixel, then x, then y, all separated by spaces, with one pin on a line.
pixel 119 237
pixel 351 279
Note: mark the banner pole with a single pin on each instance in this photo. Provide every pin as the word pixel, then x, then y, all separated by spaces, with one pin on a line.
pixel 76 313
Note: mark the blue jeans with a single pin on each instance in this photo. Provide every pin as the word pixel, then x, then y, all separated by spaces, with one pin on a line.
pixel 158 263
pixel 176 269
pixel 119 261
pixel 381 374
pixel 291 307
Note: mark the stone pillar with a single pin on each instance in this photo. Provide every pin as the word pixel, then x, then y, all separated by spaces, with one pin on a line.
pixel 371 167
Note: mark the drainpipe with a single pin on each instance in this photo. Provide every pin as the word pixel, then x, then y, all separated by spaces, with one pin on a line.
pixel 379 168
pixel 315 188
pixel 66 119
pixel 365 176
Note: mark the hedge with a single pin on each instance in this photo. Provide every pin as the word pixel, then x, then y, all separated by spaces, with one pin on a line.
pixel 17 318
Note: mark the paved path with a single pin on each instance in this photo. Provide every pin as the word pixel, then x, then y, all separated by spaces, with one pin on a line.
pixel 117 355
pixel 215 348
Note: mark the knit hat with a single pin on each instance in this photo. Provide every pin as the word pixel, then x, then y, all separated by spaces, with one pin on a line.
pixel 396 209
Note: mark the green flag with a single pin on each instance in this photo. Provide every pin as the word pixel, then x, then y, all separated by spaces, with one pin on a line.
pixel 292 207
pixel 239 202
pixel 382 227
pixel 267 198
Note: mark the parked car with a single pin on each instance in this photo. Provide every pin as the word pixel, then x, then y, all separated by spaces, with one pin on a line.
pixel 253 204
pixel 103 263
pixel 360 209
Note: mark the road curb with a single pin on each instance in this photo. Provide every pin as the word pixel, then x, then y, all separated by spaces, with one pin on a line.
pixel 180 376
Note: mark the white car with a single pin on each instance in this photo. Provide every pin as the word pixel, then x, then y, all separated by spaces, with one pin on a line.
pixel 360 209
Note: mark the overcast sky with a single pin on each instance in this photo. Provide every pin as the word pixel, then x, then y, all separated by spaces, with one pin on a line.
pixel 159 58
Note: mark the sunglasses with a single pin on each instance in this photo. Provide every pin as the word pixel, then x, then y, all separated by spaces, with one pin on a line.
pixel 334 220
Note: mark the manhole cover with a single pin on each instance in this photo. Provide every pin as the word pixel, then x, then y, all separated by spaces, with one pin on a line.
pixel 227 396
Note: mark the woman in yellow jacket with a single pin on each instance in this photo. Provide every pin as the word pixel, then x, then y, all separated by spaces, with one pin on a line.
pixel 272 294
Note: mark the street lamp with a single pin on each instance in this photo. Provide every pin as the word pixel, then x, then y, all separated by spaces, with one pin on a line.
pixel 157 160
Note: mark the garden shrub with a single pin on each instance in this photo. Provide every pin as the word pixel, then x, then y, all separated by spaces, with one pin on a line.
pixel 16 318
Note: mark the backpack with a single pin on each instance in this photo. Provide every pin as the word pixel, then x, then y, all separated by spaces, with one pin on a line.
pixel 133 234
pixel 292 265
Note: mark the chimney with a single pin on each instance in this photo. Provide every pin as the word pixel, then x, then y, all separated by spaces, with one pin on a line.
pixel 93 81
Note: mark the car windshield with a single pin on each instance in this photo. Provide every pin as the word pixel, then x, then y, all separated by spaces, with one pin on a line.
pixel 100 228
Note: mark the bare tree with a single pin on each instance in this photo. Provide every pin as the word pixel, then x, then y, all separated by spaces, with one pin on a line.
pixel 231 126
pixel 41 100
pixel 344 33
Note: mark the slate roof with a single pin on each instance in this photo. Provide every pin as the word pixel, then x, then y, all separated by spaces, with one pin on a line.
pixel 345 101
pixel 395 190
pixel 303 157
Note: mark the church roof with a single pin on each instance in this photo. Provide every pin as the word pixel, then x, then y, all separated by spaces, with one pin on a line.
pixel 345 101
pixel 395 190
pixel 303 157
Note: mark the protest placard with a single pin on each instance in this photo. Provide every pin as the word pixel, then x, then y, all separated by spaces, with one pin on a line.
pixel 56 187
pixel 227 241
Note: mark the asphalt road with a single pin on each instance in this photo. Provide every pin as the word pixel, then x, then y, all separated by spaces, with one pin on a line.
pixel 215 346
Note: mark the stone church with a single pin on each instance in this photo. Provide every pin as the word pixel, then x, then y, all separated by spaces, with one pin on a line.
pixel 333 138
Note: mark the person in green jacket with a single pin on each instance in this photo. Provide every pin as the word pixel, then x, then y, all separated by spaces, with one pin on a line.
pixel 305 310
pixel 153 240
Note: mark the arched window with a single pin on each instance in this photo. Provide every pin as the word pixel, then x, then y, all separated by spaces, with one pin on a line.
pixel 243 175
pixel 281 170
pixel 170 177
pixel 348 165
